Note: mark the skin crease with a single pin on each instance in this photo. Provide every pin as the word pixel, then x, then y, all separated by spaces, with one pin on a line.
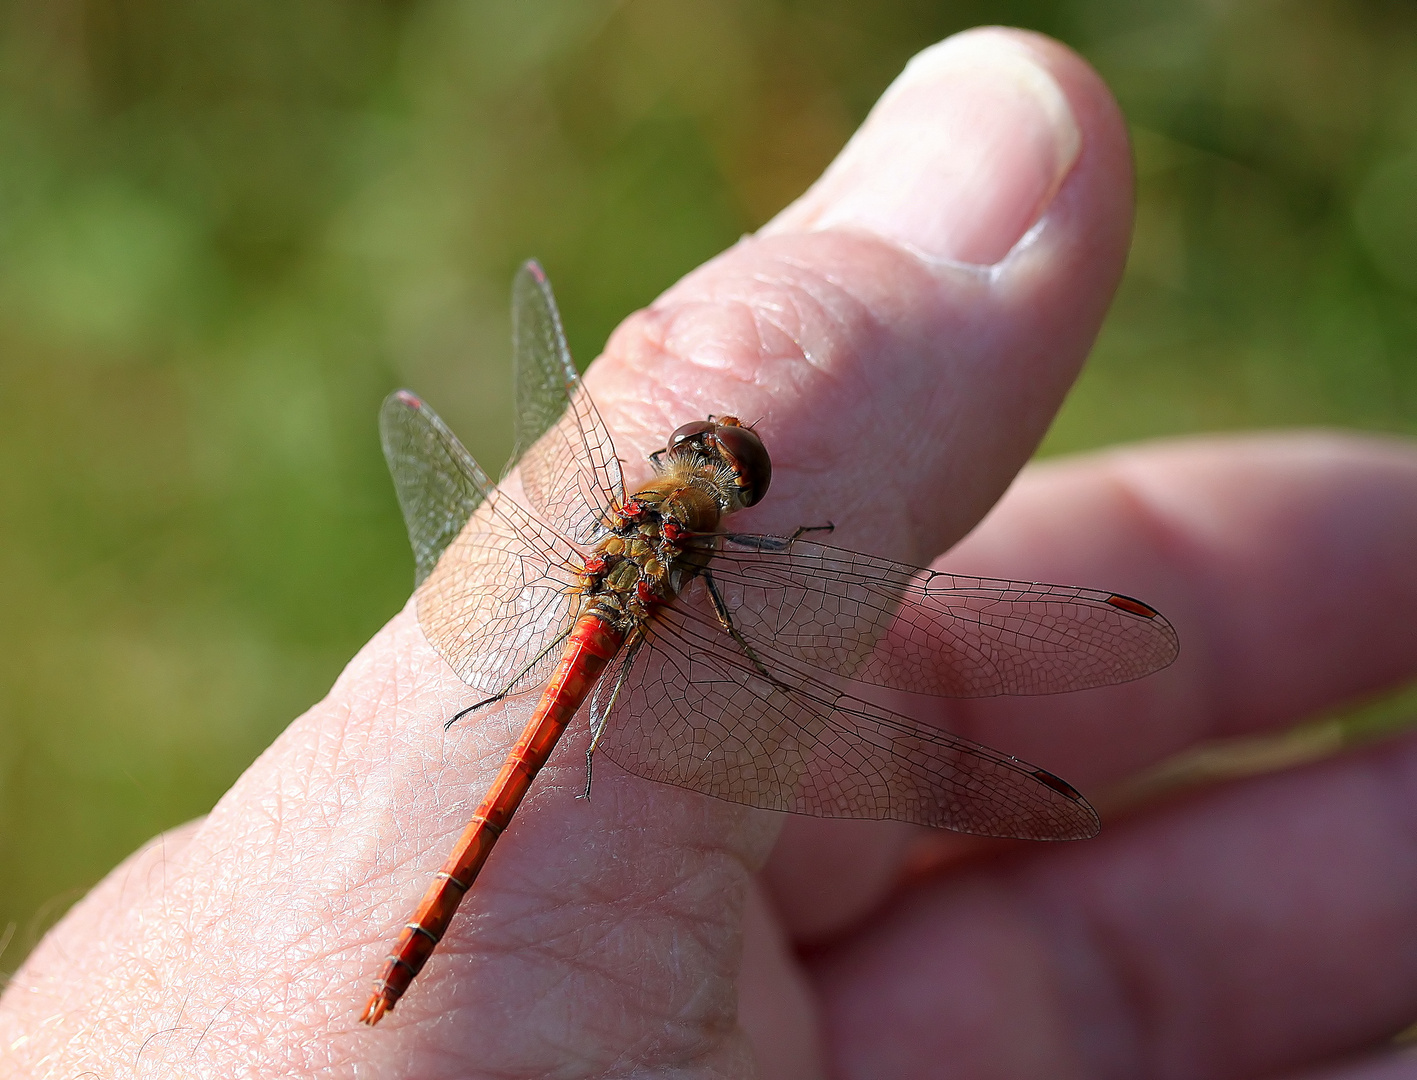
pixel 1265 928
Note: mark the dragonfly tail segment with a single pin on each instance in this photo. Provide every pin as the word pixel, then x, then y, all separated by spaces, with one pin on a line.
pixel 592 645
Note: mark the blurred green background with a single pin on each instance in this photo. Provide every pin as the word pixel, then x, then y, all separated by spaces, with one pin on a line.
pixel 227 229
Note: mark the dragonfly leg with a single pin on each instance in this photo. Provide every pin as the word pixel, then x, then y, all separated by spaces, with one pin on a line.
pixel 725 620
pixel 759 542
pixel 511 687
pixel 802 530
pixel 600 707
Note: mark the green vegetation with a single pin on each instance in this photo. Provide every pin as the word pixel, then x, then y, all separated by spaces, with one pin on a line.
pixel 228 229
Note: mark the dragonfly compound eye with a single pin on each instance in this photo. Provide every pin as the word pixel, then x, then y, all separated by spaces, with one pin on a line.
pixel 749 458
pixel 695 431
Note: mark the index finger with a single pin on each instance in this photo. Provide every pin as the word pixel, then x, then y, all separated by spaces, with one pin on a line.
pixel 926 307
pixel 906 330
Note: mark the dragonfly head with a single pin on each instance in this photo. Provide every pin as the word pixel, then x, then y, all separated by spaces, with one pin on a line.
pixel 726 443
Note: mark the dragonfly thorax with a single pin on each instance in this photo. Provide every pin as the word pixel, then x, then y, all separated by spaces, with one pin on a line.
pixel 659 538
pixel 652 550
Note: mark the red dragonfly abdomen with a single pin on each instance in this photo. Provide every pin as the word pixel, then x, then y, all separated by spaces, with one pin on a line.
pixel 592 645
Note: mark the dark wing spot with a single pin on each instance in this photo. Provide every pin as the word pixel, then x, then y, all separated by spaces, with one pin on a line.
pixel 1058 784
pixel 1133 607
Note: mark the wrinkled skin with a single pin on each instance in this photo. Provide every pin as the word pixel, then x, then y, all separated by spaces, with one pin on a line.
pixel 1263 928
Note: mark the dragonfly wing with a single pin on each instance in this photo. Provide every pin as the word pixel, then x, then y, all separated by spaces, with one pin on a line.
pixel 697 715
pixel 494 589
pixel 876 621
pixel 438 483
pixel 566 460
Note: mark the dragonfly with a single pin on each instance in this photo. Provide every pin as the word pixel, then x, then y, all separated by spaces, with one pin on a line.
pixel 733 664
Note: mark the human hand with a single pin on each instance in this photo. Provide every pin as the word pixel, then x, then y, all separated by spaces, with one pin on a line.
pixel 1249 930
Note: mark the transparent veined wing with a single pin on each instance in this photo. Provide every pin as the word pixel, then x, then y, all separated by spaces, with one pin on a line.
pixel 495 587
pixel 437 481
pixel 563 452
pixel 871 620
pixel 697 714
